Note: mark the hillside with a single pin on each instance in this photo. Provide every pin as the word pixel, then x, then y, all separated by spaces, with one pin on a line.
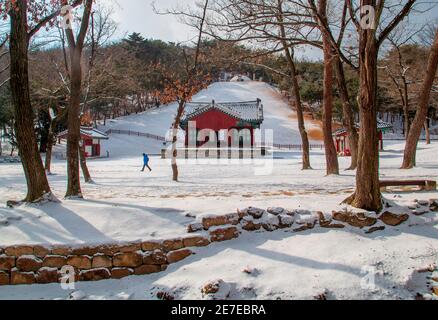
pixel 278 116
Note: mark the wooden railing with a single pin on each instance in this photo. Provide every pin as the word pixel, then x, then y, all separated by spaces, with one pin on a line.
pixel 136 133
pixel 297 146
pixel 163 139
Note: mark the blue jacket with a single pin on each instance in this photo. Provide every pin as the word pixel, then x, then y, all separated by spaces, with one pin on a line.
pixel 146 159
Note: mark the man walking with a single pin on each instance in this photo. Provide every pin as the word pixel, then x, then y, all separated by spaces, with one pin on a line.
pixel 145 162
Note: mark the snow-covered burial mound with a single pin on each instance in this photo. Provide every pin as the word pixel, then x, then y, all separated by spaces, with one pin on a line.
pixel 278 114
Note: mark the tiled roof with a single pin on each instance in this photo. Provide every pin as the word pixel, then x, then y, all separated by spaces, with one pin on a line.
pixel 381 125
pixel 88 132
pixel 251 111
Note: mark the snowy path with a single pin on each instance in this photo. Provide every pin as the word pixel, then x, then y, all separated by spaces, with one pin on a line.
pixel 125 204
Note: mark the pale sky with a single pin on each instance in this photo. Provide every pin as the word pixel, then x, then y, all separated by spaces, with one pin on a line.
pixel 138 16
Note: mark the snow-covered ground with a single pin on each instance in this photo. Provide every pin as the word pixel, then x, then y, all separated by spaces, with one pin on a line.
pixel 124 204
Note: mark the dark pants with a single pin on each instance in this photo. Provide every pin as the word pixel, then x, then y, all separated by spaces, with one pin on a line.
pixel 146 165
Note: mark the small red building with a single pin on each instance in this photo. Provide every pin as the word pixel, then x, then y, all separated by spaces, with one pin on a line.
pixel 235 120
pixel 342 142
pixel 91 139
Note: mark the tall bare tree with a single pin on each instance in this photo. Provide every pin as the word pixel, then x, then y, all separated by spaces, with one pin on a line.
pixel 367 195
pixel 76 45
pixel 332 164
pixel 21 32
pixel 423 108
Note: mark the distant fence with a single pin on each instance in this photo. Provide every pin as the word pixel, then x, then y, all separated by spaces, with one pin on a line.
pixel 297 146
pixel 136 134
pixel 163 139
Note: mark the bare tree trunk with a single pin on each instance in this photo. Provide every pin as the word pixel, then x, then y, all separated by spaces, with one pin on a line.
pixel 37 183
pixel 367 195
pixel 175 139
pixel 50 142
pixel 347 110
pixel 406 120
pixel 422 110
pixel 74 126
pixel 330 149
pixel 296 92
pixel 427 130
pixel 74 122
pixel 83 161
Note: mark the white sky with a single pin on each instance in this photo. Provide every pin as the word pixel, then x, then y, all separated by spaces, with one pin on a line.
pixel 138 16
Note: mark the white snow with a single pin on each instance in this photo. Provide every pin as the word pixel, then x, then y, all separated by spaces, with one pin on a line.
pixel 278 117
pixel 124 204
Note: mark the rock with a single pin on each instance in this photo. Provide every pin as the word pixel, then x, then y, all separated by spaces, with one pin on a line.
pixel 251 271
pixel 54 261
pixel 286 221
pixel 302 212
pixel 248 224
pixel 393 219
pixel 6 262
pixel 305 227
pixel 4 222
pixel 256 213
pixel 270 222
pixel 19 251
pixel 333 226
pixel 324 220
pixel 307 219
pixel 355 219
pixel 95 274
pixel 435 290
pixel 47 275
pixel 85 251
pixel 176 256
pixel 217 290
pixel 242 213
pixel 420 212
pixel 156 257
pixel 196 242
pixel 375 229
pixel 147 269
pixel 61 251
pixel 216 221
pixel 77 295
pixel 80 262
pixel 423 203
pixel 101 261
pixel 195 227
pixel 151 245
pixel 212 287
pixel 433 205
pixel 131 259
pixel 40 251
pixel 29 263
pixel 18 277
pixel 223 234
pixel 4 278
pixel 165 296
pixel 119 273
pixel 173 244
pixel 107 249
pixel 133 247
pixel 276 211
pixel 340 216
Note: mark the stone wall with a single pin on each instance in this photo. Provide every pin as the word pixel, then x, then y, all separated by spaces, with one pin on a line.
pixel 41 264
